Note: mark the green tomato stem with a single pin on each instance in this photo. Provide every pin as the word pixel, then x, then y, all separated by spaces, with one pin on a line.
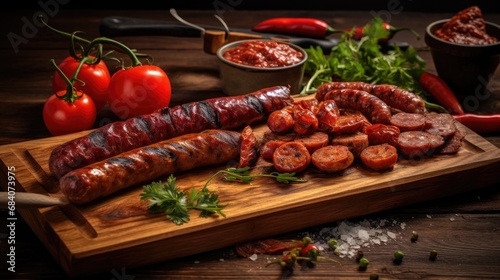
pixel 103 40
pixel 71 94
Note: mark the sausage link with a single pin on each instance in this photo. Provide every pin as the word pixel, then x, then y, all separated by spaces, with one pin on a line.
pixel 228 112
pixel 376 110
pixel 394 96
pixel 147 163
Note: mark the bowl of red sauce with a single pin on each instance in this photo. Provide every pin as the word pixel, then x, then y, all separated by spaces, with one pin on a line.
pixel 249 65
pixel 466 53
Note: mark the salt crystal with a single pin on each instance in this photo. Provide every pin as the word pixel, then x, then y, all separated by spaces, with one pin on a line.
pixel 363 235
pixel 196 261
pixel 391 234
pixel 253 257
pixel 428 216
pixel 383 238
pixel 221 260
pixel 452 219
pixel 376 241
pixel 403 225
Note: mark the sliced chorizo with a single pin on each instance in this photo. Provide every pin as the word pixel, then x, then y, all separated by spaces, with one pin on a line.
pixel 310 104
pixel 356 142
pixel 280 121
pixel 313 141
pixel 268 135
pixel 347 124
pixel 441 124
pixel 381 133
pixel 304 121
pixel 379 157
pixel 418 144
pixel 267 150
pixel 291 157
pixel 332 158
pixel 327 114
pixel 408 121
pixel 249 149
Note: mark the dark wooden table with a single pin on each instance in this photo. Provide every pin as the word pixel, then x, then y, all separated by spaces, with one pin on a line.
pixel 464 228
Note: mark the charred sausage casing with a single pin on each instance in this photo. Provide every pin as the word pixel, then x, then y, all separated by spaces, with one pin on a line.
pixel 186 152
pixel 217 113
pixel 394 96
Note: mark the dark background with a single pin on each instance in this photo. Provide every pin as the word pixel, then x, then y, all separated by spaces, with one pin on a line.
pixel 452 6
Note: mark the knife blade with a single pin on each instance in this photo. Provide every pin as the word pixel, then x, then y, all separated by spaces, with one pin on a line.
pixel 117 26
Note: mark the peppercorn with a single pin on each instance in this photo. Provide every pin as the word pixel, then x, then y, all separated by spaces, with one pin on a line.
pixel 333 243
pixel 363 264
pixel 359 255
pixel 374 276
pixel 414 236
pixel 433 255
pixel 398 257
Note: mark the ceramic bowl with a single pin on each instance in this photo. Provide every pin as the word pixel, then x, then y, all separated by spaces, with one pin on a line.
pixel 239 79
pixel 466 68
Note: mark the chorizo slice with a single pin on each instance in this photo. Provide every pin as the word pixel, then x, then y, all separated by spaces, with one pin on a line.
pixel 379 157
pixel 280 121
pixel 304 122
pixel 327 114
pixel 418 144
pixel 268 135
pixel 356 142
pixel 267 150
pixel 408 121
pixel 441 124
pixel 347 124
pixel 313 141
pixel 453 144
pixel 380 133
pixel 310 104
pixel 332 158
pixel 291 157
pixel 250 148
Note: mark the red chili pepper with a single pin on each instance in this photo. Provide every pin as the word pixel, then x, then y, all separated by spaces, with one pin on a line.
pixel 308 27
pixel 358 33
pixel 438 89
pixel 481 124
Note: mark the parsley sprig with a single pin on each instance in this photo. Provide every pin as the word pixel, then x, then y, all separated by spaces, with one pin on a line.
pixel 364 61
pixel 166 197
pixel 243 175
pixel 175 203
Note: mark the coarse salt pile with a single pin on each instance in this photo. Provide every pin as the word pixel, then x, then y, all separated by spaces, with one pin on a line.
pixel 353 236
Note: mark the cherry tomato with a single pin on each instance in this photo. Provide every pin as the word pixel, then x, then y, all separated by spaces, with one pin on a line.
pixel 96 80
pixel 63 117
pixel 138 90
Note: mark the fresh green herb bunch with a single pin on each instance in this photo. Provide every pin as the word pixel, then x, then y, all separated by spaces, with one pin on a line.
pixel 364 61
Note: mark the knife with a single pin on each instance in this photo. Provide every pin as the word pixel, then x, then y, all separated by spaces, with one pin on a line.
pixel 116 26
pixel 126 26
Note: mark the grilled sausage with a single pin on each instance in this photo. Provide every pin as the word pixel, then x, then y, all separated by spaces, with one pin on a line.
pixel 222 113
pixel 291 157
pixel 394 96
pixel 379 157
pixel 332 158
pixel 376 110
pixel 147 163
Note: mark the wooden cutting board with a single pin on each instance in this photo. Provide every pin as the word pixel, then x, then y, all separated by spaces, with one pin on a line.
pixel 119 232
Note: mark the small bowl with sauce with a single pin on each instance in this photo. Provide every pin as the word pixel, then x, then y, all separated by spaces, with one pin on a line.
pixel 249 65
pixel 465 54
